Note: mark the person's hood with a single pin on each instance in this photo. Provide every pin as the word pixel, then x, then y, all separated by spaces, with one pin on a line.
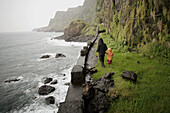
pixel 109 50
pixel 100 41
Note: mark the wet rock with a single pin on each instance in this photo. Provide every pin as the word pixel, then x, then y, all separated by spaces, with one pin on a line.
pixel 50 100
pixel 45 56
pixel 47 80
pixel 83 52
pixel 54 82
pixel 12 80
pixel 68 83
pixel 45 90
pixel 94 94
pixel 59 55
pixel 129 75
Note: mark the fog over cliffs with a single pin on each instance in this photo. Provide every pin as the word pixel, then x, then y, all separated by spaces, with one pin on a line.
pixel 63 18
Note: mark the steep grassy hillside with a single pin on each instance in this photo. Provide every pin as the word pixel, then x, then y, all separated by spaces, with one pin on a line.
pixel 139 24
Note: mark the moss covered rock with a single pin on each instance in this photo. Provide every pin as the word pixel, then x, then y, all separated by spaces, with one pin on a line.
pixel 75 27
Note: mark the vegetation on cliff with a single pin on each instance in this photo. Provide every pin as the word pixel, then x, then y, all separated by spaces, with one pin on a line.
pixel 143 27
pixel 151 92
pixel 63 18
pixel 80 28
pixel 140 24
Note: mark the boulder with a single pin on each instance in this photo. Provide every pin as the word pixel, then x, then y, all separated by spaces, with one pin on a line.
pixel 75 27
pixel 59 55
pixel 95 95
pixel 45 56
pixel 54 82
pixel 67 83
pixel 77 76
pixel 47 80
pixel 12 80
pixel 129 75
pixel 50 100
pixel 83 52
pixel 45 90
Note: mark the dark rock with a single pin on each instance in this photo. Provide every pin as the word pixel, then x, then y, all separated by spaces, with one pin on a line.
pixel 47 80
pixel 77 76
pixel 68 83
pixel 75 106
pixel 129 75
pixel 45 56
pixel 88 91
pixel 94 94
pixel 59 55
pixel 45 90
pixel 83 52
pixel 85 47
pixel 50 100
pixel 138 62
pixel 54 82
pixel 92 70
pixel 12 80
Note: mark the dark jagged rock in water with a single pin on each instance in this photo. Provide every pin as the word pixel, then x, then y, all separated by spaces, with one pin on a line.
pixel 94 94
pixel 54 82
pixel 67 84
pixel 45 56
pixel 129 75
pixel 45 90
pixel 47 80
pixel 59 55
pixel 12 80
pixel 50 100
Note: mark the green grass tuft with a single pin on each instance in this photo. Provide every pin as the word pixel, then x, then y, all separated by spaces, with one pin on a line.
pixel 151 93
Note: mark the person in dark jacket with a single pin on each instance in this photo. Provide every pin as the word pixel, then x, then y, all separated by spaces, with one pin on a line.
pixel 101 50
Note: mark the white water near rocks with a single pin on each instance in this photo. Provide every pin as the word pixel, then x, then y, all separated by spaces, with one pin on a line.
pixel 20 59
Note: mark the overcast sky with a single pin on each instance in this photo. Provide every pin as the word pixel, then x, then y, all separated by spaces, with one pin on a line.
pixel 24 15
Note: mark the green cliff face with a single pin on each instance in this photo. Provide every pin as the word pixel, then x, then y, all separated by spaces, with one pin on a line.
pixel 63 18
pixel 137 23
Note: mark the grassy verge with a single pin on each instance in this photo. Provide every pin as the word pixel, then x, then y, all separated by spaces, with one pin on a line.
pixel 151 93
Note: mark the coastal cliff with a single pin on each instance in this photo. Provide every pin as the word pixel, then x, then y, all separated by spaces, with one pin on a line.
pixel 63 18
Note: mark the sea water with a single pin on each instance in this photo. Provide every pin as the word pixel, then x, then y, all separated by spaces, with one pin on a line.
pixel 20 59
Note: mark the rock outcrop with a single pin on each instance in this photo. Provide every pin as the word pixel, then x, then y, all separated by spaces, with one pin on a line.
pixel 129 75
pixel 94 94
pixel 45 90
pixel 50 100
pixel 45 56
pixel 75 27
pixel 63 18
pixel 59 55
pixel 47 80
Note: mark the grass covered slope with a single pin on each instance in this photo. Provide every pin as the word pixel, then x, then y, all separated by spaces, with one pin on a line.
pixel 151 93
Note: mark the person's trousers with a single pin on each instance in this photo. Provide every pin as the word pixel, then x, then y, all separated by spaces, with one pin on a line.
pixel 101 58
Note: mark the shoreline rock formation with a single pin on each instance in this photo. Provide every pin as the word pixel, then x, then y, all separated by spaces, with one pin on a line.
pixel 85 12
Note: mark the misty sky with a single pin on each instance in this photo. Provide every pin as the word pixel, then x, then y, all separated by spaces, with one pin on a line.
pixel 24 15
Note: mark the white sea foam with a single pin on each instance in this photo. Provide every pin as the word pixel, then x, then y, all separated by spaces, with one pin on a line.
pixel 57 42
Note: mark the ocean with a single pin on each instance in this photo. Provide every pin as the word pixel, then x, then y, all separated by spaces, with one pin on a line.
pixel 20 54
